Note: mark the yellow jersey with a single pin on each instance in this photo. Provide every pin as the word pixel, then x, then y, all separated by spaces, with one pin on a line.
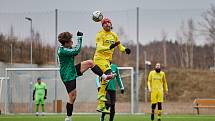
pixel 157 81
pixel 103 41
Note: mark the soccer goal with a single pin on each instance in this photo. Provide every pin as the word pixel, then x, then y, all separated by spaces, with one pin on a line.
pixel 17 91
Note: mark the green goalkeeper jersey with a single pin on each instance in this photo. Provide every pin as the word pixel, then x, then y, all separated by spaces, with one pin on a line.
pixel 40 89
pixel 67 63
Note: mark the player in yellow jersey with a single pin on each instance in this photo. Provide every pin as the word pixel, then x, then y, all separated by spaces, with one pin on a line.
pixel 106 41
pixel 157 86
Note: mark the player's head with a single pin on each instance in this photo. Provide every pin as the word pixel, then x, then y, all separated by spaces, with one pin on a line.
pixel 65 38
pixel 39 80
pixel 106 24
pixel 158 67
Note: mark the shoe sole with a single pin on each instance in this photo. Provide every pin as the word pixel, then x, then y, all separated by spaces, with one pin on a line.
pixel 106 112
pixel 98 110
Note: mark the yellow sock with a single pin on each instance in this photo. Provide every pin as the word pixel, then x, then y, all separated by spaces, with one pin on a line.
pixel 101 104
pixel 159 114
pixel 102 91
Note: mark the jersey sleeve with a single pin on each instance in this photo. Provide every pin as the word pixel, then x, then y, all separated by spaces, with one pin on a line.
pixel 149 80
pixel 120 46
pixel 165 83
pixel 73 51
pixel 34 87
pixel 119 80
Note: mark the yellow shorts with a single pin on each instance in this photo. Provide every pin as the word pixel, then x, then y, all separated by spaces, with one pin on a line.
pixel 156 96
pixel 103 64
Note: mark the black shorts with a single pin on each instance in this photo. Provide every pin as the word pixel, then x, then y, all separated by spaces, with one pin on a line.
pixel 71 85
pixel 111 97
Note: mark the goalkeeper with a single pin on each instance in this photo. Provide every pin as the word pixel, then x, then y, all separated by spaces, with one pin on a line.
pixel 69 71
pixel 106 41
pixel 40 89
pixel 157 86
pixel 111 91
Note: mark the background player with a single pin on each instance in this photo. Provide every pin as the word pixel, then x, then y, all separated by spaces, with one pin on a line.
pixel 40 89
pixel 111 91
pixel 157 86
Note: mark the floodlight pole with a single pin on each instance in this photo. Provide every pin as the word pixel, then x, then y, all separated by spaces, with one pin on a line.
pixel 31 30
pixel 145 75
pixel 31 81
pixel 136 107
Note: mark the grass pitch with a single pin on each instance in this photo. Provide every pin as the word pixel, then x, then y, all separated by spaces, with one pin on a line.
pixel 96 118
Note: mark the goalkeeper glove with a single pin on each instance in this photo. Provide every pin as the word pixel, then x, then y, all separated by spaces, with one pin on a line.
pixel 79 33
pixel 127 51
pixel 114 45
pixel 44 97
pixel 122 91
pixel 33 98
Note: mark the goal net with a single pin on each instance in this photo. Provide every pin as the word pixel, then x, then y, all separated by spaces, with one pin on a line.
pixel 17 91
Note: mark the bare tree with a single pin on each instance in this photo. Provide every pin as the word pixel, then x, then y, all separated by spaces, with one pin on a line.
pixel 164 38
pixel 186 42
pixel 190 40
pixel 181 41
pixel 208 28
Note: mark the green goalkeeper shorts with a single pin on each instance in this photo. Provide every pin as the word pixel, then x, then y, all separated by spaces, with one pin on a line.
pixel 39 100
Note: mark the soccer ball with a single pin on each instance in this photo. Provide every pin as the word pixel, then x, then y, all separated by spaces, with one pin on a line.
pixel 97 16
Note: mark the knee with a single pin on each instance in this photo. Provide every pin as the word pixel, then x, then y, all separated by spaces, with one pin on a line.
pixel 90 63
pixel 72 97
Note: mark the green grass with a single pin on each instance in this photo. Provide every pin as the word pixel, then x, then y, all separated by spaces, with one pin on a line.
pixel 96 118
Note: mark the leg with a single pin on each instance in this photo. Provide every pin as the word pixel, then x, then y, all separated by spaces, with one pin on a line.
pixel 102 91
pixel 102 106
pixel 43 105
pixel 153 111
pixel 112 112
pixel 36 109
pixel 85 65
pixel 153 102
pixel 159 110
pixel 37 103
pixel 71 89
pixel 112 104
pixel 160 100
pixel 43 109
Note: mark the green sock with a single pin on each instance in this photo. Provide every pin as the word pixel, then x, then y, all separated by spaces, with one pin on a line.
pixel 43 108
pixel 37 107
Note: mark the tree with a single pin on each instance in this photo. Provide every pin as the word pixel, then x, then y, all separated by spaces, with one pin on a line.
pixel 164 38
pixel 208 28
pixel 186 42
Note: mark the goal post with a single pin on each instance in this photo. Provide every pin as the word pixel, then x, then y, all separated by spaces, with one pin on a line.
pixel 20 82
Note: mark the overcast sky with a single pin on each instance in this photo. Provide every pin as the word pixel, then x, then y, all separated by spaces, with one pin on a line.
pixel 156 16
pixel 44 5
